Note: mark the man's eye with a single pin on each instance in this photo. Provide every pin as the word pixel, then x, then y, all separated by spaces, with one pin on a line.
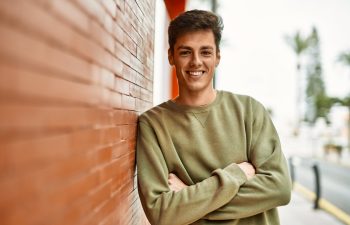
pixel 206 53
pixel 183 53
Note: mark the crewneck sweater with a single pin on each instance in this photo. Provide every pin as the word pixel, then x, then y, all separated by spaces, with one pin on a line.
pixel 202 146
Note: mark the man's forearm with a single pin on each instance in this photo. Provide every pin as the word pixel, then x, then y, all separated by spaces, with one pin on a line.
pixel 265 191
pixel 192 202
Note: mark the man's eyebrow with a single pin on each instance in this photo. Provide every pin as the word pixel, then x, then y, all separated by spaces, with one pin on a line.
pixel 189 48
pixel 207 47
pixel 184 47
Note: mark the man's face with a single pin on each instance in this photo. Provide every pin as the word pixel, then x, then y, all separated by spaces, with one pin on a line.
pixel 195 57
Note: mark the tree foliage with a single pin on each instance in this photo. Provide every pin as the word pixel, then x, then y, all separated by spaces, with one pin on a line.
pixel 299 44
pixel 317 101
pixel 344 58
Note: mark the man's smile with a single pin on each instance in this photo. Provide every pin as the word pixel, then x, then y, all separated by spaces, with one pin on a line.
pixel 195 73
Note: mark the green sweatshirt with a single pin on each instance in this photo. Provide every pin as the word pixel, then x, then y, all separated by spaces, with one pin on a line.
pixel 202 146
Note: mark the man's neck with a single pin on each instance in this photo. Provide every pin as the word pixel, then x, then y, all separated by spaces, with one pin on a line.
pixel 196 99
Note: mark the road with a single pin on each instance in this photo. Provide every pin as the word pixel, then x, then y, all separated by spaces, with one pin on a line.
pixel 335 180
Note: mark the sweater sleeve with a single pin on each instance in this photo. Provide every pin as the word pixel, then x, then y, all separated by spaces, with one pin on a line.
pixel 165 207
pixel 271 186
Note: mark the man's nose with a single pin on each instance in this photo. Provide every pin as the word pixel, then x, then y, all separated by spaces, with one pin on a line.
pixel 196 60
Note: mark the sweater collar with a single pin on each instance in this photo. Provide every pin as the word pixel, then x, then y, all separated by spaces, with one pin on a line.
pixel 187 108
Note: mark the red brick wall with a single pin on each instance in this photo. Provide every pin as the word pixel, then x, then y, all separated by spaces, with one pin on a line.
pixel 74 75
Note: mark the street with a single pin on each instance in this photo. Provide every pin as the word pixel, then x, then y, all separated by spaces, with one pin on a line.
pixel 335 180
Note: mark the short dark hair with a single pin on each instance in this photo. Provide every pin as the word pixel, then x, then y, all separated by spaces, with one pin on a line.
pixel 195 20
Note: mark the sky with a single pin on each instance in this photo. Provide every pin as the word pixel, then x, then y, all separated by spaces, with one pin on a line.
pixel 256 60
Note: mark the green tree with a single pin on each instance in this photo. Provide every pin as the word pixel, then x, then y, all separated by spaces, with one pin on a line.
pixel 300 45
pixel 317 101
pixel 344 58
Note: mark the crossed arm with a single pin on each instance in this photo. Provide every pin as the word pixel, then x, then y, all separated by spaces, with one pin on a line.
pixel 176 184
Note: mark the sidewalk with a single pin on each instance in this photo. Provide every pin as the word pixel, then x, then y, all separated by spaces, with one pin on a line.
pixel 300 212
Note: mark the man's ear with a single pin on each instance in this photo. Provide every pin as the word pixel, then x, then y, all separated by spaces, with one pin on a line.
pixel 218 57
pixel 170 57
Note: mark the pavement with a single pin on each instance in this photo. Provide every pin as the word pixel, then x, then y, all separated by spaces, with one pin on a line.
pixel 300 212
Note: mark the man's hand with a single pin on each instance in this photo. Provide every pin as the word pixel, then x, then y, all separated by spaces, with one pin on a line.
pixel 175 183
pixel 248 169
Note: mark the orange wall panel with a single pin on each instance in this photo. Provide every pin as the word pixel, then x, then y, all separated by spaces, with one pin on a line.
pixel 174 8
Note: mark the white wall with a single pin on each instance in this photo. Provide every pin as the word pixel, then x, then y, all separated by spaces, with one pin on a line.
pixel 162 69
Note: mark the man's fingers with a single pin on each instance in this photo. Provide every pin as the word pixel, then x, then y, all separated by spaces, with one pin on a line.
pixel 248 169
pixel 175 183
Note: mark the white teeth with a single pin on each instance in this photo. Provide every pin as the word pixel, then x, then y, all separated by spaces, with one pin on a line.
pixel 195 73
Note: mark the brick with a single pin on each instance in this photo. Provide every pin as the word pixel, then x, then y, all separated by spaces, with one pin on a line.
pixel 149 85
pixel 137 65
pixel 56 199
pixel 120 149
pixel 41 23
pixel 61 147
pixel 129 74
pixel 37 85
pixel 118 33
pixel 70 13
pixel 105 118
pixel 121 86
pixel 46 117
pixel 128 102
pixel 116 100
pixel 108 24
pixel 110 7
pixel 120 4
pixel 141 80
pixel 146 95
pixel 148 69
pixel 106 60
pixel 122 20
pixel 135 91
pixel 100 35
pixel 137 11
pixel 75 190
pixel 16 47
pixel 130 45
pixel 109 172
pixel 142 106
pixel 74 213
pixel 122 53
pixel 110 135
pixel 123 117
pixel 103 156
pixel 141 55
pixel 143 7
pixel 117 66
pixel 93 9
pixel 118 117
pixel 107 78
pixel 122 185
pixel 105 210
pixel 100 195
pixel 137 37
pixel 131 117
pixel 132 19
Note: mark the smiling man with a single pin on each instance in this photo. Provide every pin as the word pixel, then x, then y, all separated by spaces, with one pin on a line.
pixel 208 156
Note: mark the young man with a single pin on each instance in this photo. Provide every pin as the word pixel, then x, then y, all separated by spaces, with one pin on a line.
pixel 208 156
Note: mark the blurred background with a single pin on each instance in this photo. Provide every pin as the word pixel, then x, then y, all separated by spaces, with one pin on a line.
pixel 294 57
pixel 76 74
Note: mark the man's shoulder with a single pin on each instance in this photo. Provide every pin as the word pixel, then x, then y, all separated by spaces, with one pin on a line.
pixel 153 112
pixel 244 100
